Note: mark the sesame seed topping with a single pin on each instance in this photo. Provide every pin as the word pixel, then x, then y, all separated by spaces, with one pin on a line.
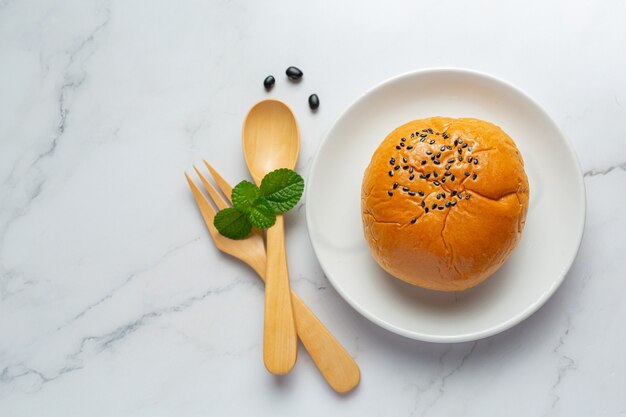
pixel 403 139
pixel 421 193
pixel 443 148
pixel 405 188
pixel 411 177
pixel 432 141
pixel 391 173
pixel 440 207
pixel 424 162
pixel 467 174
pixel 414 220
pixel 411 193
pixel 404 159
pixel 464 145
pixel 409 147
pixel 426 210
pixel 429 152
pixel 390 193
pixel 474 176
pixel 395 185
pixel 453 177
pixel 398 148
pixel 436 183
pixel 397 167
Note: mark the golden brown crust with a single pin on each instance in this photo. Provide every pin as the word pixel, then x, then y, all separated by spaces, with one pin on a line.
pixel 470 216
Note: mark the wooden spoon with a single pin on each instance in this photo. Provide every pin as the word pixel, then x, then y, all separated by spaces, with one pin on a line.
pixel 270 141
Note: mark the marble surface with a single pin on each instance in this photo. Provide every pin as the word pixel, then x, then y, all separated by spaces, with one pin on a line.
pixel 113 299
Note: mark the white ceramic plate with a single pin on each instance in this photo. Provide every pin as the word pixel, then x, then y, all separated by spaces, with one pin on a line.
pixel 554 225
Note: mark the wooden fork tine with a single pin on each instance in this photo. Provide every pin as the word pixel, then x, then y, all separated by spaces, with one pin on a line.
pixel 206 209
pixel 217 198
pixel 221 182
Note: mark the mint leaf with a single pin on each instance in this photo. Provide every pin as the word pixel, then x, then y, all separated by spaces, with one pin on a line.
pixel 282 189
pixel 232 223
pixel 261 214
pixel 244 195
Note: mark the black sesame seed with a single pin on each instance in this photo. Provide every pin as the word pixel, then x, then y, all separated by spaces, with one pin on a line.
pixel 314 101
pixel 424 162
pixel 411 193
pixel 434 206
pixel 390 193
pixel 428 175
pixel 436 183
pixel 403 139
pixel 423 135
pixel 474 176
pixel 395 185
pixel 449 148
pixel 423 176
pixel 470 159
pixel 459 150
pixel 436 162
pixel 467 197
pixel 411 170
pixel 440 207
pixel 424 130
pixel 464 145
pixel 445 135
pixel 414 220
pixel 470 148
pixel 447 174
pixel 459 196
pixel 411 177
pixel 412 135
pixel 429 130
pixel 438 196
pixel 432 158
pixel 421 193
pixel 429 152
pixel 391 173
pixel 451 160
pixel 437 133
pixel 456 142
pixel 409 147
pixel 294 73
pixel 405 188
pixel 392 161
pixel 404 159
pixel 460 140
pixel 453 203
pixel 422 139
pixel 426 210
pixel 475 161
pixel 397 147
pixel 268 83
pixel 443 148
pixel 435 174
pixel 438 155
pixel 467 174
pixel 422 203
pixel 405 167
pixel 453 177
pixel 432 141
pixel 453 193
pixel 443 195
pixel 460 158
pixel 397 167
pixel 447 204
pixel 402 144
pixel 448 167
pixel 443 179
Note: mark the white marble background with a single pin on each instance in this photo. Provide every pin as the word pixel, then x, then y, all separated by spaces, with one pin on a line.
pixel 113 300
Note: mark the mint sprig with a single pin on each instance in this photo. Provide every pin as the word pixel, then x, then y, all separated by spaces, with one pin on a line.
pixel 280 191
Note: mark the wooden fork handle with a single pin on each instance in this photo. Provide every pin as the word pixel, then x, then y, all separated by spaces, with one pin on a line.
pixel 336 365
pixel 280 341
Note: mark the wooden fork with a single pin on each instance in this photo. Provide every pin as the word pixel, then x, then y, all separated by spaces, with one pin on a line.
pixel 336 365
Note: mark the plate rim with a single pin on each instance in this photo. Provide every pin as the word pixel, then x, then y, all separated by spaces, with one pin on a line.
pixel 531 308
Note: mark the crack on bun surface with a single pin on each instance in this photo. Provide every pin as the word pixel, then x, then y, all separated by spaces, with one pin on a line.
pixel 444 202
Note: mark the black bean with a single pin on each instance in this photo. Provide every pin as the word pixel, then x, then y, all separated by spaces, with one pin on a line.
pixel 429 152
pixel 269 82
pixel 314 101
pixel 438 196
pixel 470 148
pixel 470 159
pixel 294 73
pixel 460 158
pixel 402 144
pixel 438 155
pixel 428 175
pixel 460 140
pixel 447 204
pixel 443 195
pixel 459 150
pixel 456 142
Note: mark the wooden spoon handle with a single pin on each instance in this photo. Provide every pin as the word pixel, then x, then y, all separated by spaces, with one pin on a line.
pixel 336 365
pixel 280 342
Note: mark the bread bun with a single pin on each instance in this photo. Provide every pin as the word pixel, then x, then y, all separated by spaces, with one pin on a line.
pixel 444 202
